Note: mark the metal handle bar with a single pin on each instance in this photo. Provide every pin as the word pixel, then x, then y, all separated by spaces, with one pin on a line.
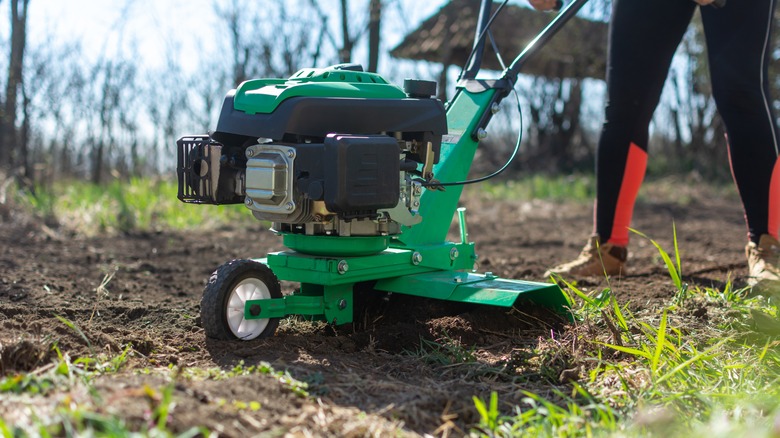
pixel 534 46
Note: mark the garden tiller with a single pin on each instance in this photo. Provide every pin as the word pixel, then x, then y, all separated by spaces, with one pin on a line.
pixel 361 179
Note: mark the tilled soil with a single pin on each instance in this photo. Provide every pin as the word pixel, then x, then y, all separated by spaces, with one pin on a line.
pixel 411 364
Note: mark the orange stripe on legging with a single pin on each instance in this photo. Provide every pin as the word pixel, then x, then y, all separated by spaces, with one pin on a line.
pixel 636 164
pixel 773 222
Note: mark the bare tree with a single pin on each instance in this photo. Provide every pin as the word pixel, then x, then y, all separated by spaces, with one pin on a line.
pixel 56 86
pixel 166 100
pixel 286 51
pixel 233 16
pixel 111 113
pixel 268 41
pixel 349 38
pixel 345 54
pixel 207 87
pixel 555 108
pixel 374 33
pixel 9 146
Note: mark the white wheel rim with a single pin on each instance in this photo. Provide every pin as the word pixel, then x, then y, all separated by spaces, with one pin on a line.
pixel 247 289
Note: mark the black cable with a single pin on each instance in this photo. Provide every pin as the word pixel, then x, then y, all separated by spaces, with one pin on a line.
pixel 497 172
pixel 482 34
pixel 495 49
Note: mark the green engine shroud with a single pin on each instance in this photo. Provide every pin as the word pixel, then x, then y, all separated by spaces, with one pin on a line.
pixel 263 96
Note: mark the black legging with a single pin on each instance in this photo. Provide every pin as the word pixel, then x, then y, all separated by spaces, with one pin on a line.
pixel 644 35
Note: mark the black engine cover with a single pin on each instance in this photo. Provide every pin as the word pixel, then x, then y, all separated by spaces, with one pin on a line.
pixel 361 173
pixel 423 120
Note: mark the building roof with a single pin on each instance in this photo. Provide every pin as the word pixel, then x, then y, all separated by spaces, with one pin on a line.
pixel 577 51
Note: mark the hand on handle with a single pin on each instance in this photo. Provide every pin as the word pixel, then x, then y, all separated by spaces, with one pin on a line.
pixel 546 5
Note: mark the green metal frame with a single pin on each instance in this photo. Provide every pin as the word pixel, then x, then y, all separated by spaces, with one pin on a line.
pixel 418 262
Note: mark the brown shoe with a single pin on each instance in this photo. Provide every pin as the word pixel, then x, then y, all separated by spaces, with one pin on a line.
pixel 595 260
pixel 764 265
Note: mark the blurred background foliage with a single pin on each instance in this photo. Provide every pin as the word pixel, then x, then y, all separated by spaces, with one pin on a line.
pixel 65 115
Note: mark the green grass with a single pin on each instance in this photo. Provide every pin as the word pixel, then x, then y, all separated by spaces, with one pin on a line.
pixel 662 373
pixel 295 386
pixel 680 190
pixel 444 352
pixel 120 206
pixel 82 419
pixel 564 187
pixel 667 377
pixel 85 419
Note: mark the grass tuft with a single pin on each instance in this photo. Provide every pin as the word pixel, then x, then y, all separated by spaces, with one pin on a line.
pixel 566 187
pixel 660 372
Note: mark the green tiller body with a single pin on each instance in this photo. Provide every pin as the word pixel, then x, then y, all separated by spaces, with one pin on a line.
pixel 350 169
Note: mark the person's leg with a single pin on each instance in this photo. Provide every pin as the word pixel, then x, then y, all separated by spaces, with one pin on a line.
pixel 643 36
pixel 739 44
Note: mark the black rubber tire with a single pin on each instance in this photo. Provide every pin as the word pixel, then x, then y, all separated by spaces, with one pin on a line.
pixel 214 303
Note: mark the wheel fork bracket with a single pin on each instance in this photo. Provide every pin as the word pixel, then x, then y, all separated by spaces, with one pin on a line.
pixel 333 303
